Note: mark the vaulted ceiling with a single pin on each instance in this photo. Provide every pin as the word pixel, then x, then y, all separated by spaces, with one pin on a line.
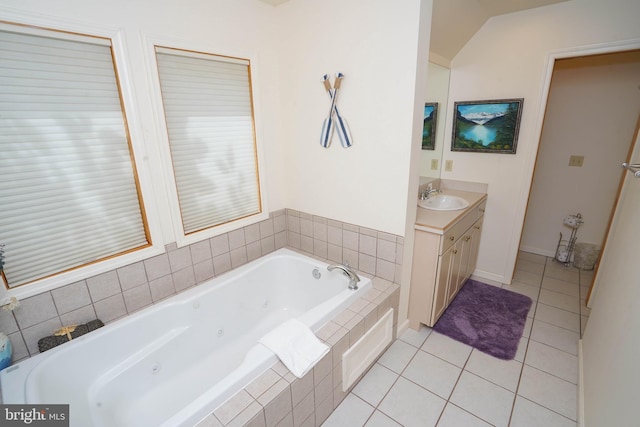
pixel 454 22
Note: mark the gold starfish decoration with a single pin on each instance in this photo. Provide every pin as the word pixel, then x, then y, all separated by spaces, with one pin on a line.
pixel 65 330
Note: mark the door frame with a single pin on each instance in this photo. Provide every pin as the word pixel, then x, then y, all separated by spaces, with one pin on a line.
pixel 590 50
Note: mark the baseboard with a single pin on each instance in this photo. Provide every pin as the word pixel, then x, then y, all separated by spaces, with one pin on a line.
pixel 487 281
pixel 581 422
pixel 538 251
pixel 483 276
pixel 401 327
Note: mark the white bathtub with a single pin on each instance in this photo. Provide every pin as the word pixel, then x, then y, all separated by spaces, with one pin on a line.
pixel 175 362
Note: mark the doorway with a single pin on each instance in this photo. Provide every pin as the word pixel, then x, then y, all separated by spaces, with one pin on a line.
pixel 592 108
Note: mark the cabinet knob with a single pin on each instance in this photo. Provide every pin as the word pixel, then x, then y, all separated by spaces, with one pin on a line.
pixel 455 251
pixel 452 238
pixel 477 227
pixel 481 210
pixel 467 238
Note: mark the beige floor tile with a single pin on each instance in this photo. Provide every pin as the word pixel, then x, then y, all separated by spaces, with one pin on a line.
pixel 529 414
pixel 457 417
pixel 505 373
pixel 353 411
pixel 557 271
pixel 555 299
pixel 411 405
pixel 378 419
pixel 528 256
pixel 483 399
pixel 584 291
pixel 554 336
pixel 553 361
pixel 447 349
pixel 375 384
pixel 522 349
pixel 529 266
pixel 432 373
pixel 526 332
pixel 583 324
pixel 524 289
pixel 584 310
pixel 397 356
pixel 531 279
pixel 558 317
pixel 416 338
pixel 549 391
pixel 586 277
pixel 560 286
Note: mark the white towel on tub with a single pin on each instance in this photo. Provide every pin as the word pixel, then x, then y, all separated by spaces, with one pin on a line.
pixel 296 346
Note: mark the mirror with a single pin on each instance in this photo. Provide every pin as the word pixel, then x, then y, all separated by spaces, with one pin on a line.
pixel 437 91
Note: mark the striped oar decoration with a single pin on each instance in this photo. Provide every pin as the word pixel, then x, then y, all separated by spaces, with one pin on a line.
pixel 339 122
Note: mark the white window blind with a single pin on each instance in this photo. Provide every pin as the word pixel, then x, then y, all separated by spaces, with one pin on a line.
pixel 209 117
pixel 68 189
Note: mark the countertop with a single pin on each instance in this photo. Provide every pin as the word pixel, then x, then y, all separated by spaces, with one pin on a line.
pixel 439 221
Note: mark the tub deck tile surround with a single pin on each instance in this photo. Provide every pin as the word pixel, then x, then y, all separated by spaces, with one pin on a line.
pixel 290 401
pixel 118 293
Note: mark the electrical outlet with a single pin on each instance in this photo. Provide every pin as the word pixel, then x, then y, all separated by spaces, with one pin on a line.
pixel 448 165
pixel 576 161
pixel 434 164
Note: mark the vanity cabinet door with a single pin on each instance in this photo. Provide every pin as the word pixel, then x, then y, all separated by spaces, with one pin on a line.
pixel 443 279
pixel 465 243
pixel 476 231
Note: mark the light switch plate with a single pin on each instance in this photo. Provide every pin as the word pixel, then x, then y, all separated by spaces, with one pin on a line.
pixel 448 165
pixel 576 161
pixel 434 164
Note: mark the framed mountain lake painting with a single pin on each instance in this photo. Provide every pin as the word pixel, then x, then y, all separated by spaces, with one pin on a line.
pixel 429 126
pixel 487 126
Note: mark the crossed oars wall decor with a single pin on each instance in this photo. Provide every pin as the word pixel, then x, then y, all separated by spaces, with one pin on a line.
pixel 334 119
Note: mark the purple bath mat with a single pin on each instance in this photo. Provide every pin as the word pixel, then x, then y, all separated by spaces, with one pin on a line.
pixel 486 317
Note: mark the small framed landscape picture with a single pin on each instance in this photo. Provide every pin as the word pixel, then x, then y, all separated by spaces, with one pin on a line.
pixel 429 126
pixel 487 126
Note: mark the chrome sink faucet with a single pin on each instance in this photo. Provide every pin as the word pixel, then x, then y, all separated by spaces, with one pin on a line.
pixel 347 271
pixel 428 192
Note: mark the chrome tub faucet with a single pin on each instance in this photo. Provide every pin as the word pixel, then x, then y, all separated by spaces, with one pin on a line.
pixel 347 271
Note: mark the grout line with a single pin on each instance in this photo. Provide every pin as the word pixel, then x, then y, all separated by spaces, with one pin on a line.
pixel 526 350
pixel 553 375
pixel 561 327
pixel 549 409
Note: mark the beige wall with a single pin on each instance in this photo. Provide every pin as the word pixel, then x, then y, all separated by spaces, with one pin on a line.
pixel 592 110
pixel 375 44
pixel 509 58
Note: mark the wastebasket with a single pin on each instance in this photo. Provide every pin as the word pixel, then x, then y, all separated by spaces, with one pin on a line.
pixel 585 256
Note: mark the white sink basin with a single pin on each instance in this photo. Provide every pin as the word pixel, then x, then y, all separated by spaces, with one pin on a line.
pixel 444 202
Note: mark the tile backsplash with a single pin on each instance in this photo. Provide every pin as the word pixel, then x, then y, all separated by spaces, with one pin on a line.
pixel 117 293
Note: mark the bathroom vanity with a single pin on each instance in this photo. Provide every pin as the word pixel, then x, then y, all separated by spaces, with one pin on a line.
pixel 445 250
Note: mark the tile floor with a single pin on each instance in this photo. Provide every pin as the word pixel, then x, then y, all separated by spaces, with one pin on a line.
pixel 426 379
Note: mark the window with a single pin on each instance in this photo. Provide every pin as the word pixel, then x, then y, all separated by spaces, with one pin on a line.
pixel 69 193
pixel 209 119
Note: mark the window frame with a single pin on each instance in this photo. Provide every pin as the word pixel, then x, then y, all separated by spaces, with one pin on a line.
pixel 180 237
pixel 137 147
